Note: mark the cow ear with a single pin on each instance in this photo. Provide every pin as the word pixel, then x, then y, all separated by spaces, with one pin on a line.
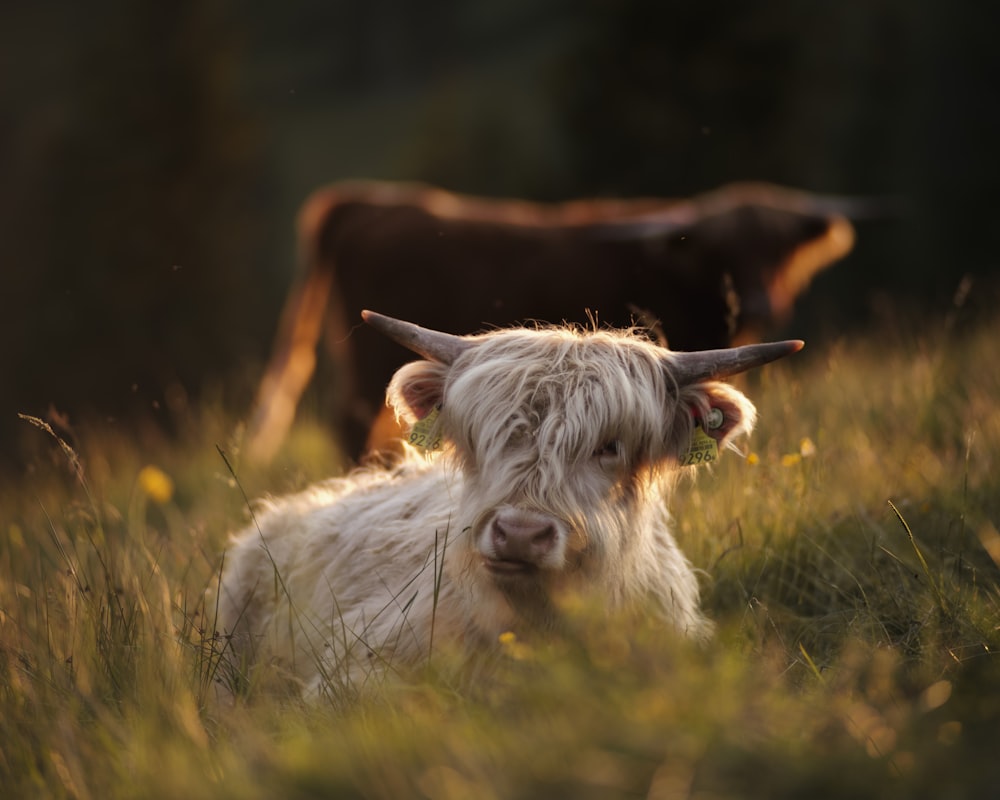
pixel 723 412
pixel 417 389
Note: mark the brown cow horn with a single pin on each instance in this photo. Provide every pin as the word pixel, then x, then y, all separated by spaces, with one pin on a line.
pixel 704 365
pixel 434 345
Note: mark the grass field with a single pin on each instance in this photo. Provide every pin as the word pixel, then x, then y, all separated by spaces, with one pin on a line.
pixel 852 563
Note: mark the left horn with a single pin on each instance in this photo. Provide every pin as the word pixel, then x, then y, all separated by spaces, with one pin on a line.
pixel 434 345
pixel 704 365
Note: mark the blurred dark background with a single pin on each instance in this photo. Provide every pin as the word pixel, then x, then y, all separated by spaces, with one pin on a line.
pixel 153 156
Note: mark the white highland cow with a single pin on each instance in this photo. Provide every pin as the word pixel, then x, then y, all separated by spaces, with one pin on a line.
pixel 557 451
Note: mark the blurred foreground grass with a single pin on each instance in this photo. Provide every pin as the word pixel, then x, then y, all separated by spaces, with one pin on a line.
pixel 855 654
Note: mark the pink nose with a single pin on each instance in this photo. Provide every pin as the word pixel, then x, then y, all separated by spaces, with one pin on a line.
pixel 518 538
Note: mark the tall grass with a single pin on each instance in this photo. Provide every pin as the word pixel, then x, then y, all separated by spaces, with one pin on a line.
pixel 851 562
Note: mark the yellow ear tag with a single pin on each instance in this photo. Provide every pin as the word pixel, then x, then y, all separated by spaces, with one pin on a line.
pixel 703 448
pixel 423 435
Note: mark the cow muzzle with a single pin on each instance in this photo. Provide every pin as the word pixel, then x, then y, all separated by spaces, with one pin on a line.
pixel 519 543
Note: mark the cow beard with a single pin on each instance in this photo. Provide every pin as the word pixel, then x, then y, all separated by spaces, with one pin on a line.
pixel 540 602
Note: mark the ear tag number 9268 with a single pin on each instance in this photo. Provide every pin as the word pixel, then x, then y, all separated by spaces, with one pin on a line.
pixel 423 435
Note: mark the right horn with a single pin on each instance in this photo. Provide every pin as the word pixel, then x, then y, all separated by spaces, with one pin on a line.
pixel 706 365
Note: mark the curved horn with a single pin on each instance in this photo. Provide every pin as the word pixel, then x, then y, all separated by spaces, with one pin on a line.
pixel 434 345
pixel 704 365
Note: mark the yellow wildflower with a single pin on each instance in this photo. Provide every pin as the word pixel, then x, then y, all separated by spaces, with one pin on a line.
pixel 790 459
pixel 156 484
pixel 513 648
pixel 16 536
pixel 806 448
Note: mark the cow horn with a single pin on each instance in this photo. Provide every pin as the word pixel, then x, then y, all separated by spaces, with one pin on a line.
pixel 434 345
pixel 704 365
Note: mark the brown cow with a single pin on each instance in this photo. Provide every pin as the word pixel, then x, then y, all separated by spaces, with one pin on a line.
pixel 712 271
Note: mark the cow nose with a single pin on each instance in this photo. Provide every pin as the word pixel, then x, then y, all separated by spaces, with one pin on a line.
pixel 523 540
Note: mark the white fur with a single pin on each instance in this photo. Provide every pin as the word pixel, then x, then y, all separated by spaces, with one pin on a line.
pixel 337 583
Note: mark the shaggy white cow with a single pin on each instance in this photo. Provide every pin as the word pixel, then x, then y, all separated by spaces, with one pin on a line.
pixel 557 451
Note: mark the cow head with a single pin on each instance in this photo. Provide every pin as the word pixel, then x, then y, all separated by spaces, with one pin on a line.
pixel 561 436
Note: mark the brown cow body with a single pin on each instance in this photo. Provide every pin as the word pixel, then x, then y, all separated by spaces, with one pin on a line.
pixel 717 269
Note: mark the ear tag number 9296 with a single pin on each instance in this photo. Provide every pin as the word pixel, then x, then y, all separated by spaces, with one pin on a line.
pixel 703 448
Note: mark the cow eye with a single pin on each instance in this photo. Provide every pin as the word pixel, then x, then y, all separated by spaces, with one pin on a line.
pixel 609 450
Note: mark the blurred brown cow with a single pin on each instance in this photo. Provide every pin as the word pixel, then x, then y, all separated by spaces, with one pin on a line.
pixel 711 271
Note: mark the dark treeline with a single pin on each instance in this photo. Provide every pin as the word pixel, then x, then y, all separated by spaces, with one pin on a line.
pixel 131 213
pixel 153 155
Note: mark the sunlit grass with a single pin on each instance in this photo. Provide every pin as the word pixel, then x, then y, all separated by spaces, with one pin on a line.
pixel 850 561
